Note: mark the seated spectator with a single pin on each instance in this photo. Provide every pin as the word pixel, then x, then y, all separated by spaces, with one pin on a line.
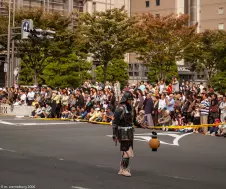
pixel 90 114
pixel 83 114
pixel 140 119
pixel 48 111
pixel 100 117
pixel 96 114
pixel 33 113
pixel 72 115
pixel 108 116
pixel 17 103
pixel 214 130
pixel 165 121
pixel 222 129
pixel 39 112
pixel 65 114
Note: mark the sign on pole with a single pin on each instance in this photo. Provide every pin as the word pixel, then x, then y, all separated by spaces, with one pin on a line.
pixel 26 26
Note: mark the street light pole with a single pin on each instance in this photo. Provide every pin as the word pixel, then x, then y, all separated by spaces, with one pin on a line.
pixel 8 46
pixel 13 47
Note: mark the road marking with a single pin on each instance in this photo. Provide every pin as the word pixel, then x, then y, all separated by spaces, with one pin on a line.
pixel 38 124
pixel 46 123
pixel 78 187
pixel 1 149
pixel 6 123
pixel 145 137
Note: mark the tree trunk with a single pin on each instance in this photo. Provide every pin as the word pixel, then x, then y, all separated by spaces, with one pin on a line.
pixel 105 72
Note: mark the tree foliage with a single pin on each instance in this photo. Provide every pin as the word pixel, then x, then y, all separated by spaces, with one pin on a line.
pixel 154 77
pixel 3 30
pixel 109 35
pixel 219 82
pixel 39 55
pixel 64 72
pixel 208 52
pixel 117 70
pixel 162 41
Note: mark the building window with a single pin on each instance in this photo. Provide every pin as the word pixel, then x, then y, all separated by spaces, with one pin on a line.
pixel 221 26
pixel 221 10
pixel 157 2
pixel 136 73
pixel 136 66
pixel 147 3
pixel 130 73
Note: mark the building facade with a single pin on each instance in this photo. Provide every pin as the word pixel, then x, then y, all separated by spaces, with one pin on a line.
pixel 64 7
pixel 102 5
pixel 209 14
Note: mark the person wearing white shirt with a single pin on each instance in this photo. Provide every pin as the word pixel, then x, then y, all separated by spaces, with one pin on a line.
pixel 223 109
pixel 30 97
pixel 23 98
pixel 162 103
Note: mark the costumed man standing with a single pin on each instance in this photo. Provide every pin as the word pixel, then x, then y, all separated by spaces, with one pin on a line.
pixel 123 131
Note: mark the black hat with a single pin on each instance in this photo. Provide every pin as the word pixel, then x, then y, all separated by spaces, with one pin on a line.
pixel 127 96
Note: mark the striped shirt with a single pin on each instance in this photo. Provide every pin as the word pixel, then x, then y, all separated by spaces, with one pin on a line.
pixel 205 111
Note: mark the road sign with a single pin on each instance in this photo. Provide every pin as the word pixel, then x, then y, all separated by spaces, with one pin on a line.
pixel 26 26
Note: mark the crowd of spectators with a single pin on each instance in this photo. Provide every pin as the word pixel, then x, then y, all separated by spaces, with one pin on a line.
pixel 157 104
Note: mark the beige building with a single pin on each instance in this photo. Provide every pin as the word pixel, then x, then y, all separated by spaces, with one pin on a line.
pixel 209 14
pixel 62 6
pixel 102 5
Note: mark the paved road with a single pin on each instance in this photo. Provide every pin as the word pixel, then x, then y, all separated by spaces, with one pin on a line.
pixel 63 155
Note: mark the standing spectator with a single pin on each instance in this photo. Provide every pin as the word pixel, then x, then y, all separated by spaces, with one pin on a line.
pixel 155 111
pixel 204 111
pixel 162 86
pixel 214 109
pixel 170 104
pixel 30 97
pixel 117 90
pixel 149 107
pixel 223 109
pixel 142 86
pixel 23 97
pixel 175 85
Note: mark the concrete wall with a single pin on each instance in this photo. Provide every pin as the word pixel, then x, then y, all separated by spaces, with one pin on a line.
pixel 15 110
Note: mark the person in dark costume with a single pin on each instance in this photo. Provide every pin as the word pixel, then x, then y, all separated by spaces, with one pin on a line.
pixel 123 131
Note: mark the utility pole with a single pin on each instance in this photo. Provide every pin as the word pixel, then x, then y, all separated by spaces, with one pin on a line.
pixel 13 48
pixel 7 80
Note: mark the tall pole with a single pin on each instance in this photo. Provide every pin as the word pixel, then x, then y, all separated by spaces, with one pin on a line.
pixel 8 46
pixel 13 47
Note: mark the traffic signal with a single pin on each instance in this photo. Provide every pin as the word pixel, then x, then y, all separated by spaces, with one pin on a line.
pixel 26 27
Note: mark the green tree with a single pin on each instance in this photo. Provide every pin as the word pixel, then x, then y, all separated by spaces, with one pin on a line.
pixel 154 76
pixel 65 72
pixel 219 82
pixel 117 70
pixel 3 31
pixel 208 53
pixel 109 35
pixel 37 53
pixel 163 41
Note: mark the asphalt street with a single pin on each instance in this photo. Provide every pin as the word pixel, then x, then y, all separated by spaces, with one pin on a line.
pixel 61 155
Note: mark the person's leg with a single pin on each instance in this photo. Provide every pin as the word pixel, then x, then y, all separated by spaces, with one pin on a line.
pixel 127 153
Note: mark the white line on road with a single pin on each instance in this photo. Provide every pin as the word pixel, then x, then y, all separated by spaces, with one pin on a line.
pixel 6 123
pixel 46 123
pixel 78 187
pixel 147 136
pixel 1 149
